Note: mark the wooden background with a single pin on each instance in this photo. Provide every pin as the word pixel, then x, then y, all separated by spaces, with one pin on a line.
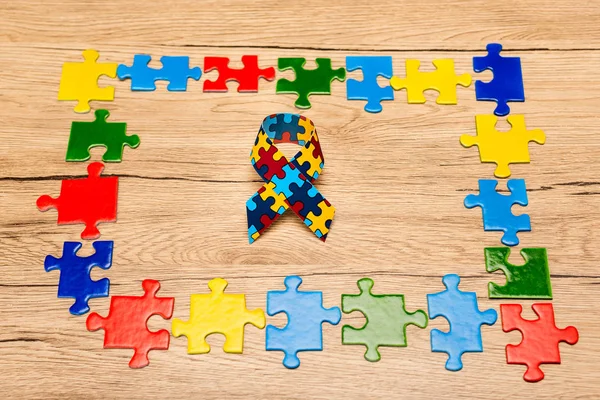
pixel 397 179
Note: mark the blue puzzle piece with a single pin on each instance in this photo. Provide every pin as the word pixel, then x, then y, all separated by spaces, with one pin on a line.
pixel 175 69
pixel 305 313
pixel 256 208
pixel 507 84
pixel 282 185
pixel 368 89
pixel 496 208
pixel 308 197
pixel 285 123
pixel 75 272
pixel 464 318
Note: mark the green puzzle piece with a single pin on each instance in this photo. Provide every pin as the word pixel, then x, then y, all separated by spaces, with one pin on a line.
pixel 528 281
pixel 386 319
pixel 308 81
pixel 85 135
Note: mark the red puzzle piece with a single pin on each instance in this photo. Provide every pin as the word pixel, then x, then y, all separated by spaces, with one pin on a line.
pixel 87 201
pixel 246 77
pixel 125 326
pixel 540 338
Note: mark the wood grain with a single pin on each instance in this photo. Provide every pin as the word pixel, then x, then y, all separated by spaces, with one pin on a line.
pixel 397 178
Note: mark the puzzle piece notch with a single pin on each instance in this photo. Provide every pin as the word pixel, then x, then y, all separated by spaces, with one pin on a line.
pixel 89 201
pixel 308 81
pixel 79 81
pixel 443 80
pixel 125 327
pixel 386 319
pixel 496 208
pixel 320 223
pixel 111 135
pixel 540 341
pixel 305 313
pixel 175 70
pixel 528 281
pixel 217 312
pixel 507 84
pixel 247 77
pixel 461 311
pixel 503 148
pixel 75 281
pixel 369 89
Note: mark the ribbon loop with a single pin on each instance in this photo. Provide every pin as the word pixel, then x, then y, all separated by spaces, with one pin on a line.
pixel 288 184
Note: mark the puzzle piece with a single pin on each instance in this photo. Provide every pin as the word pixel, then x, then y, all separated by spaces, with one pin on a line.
pixel 540 338
pixel 308 81
pixel 111 135
pixel 528 281
pixel 175 69
pixel 79 81
pixel 503 148
pixel 75 281
pixel 88 201
pixel 465 320
pixel 507 84
pixel 286 128
pixel 306 198
pixel 386 317
pixel 320 223
pixel 443 80
pixel 125 326
pixel 217 313
pixel 246 77
pixel 368 89
pixel 496 208
pixel 305 313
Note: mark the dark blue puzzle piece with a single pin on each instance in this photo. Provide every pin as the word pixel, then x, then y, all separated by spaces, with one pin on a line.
pixel 75 281
pixel 286 123
pixel 175 69
pixel 464 318
pixel 368 89
pixel 507 84
pixel 305 313
pixel 308 195
pixel 496 208
pixel 257 209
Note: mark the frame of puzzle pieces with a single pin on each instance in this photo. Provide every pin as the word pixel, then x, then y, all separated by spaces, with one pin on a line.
pixel 93 200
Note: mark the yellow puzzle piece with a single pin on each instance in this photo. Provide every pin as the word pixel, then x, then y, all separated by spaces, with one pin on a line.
pixel 217 313
pixel 79 81
pixel 503 148
pixel 443 80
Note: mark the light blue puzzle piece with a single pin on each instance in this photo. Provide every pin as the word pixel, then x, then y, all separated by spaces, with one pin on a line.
pixel 496 208
pixel 305 313
pixel 175 69
pixel 464 318
pixel 368 89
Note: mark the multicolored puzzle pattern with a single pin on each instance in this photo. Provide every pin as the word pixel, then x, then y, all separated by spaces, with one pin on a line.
pixel 290 184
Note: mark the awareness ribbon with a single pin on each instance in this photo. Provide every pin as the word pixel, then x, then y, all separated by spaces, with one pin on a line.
pixel 288 184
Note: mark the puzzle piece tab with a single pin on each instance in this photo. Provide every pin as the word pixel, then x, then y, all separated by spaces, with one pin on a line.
pixel 111 135
pixel 465 320
pixel 79 81
pixel 305 313
pixel 386 317
pixel 507 84
pixel 175 70
pixel 443 80
pixel 75 281
pixel 217 313
pixel 368 89
pixel 496 208
pixel 503 148
pixel 88 201
pixel 528 281
pixel 540 340
pixel 247 77
pixel 125 326
pixel 308 81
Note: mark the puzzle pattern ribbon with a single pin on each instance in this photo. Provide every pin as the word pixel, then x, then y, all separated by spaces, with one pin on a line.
pixel 288 184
